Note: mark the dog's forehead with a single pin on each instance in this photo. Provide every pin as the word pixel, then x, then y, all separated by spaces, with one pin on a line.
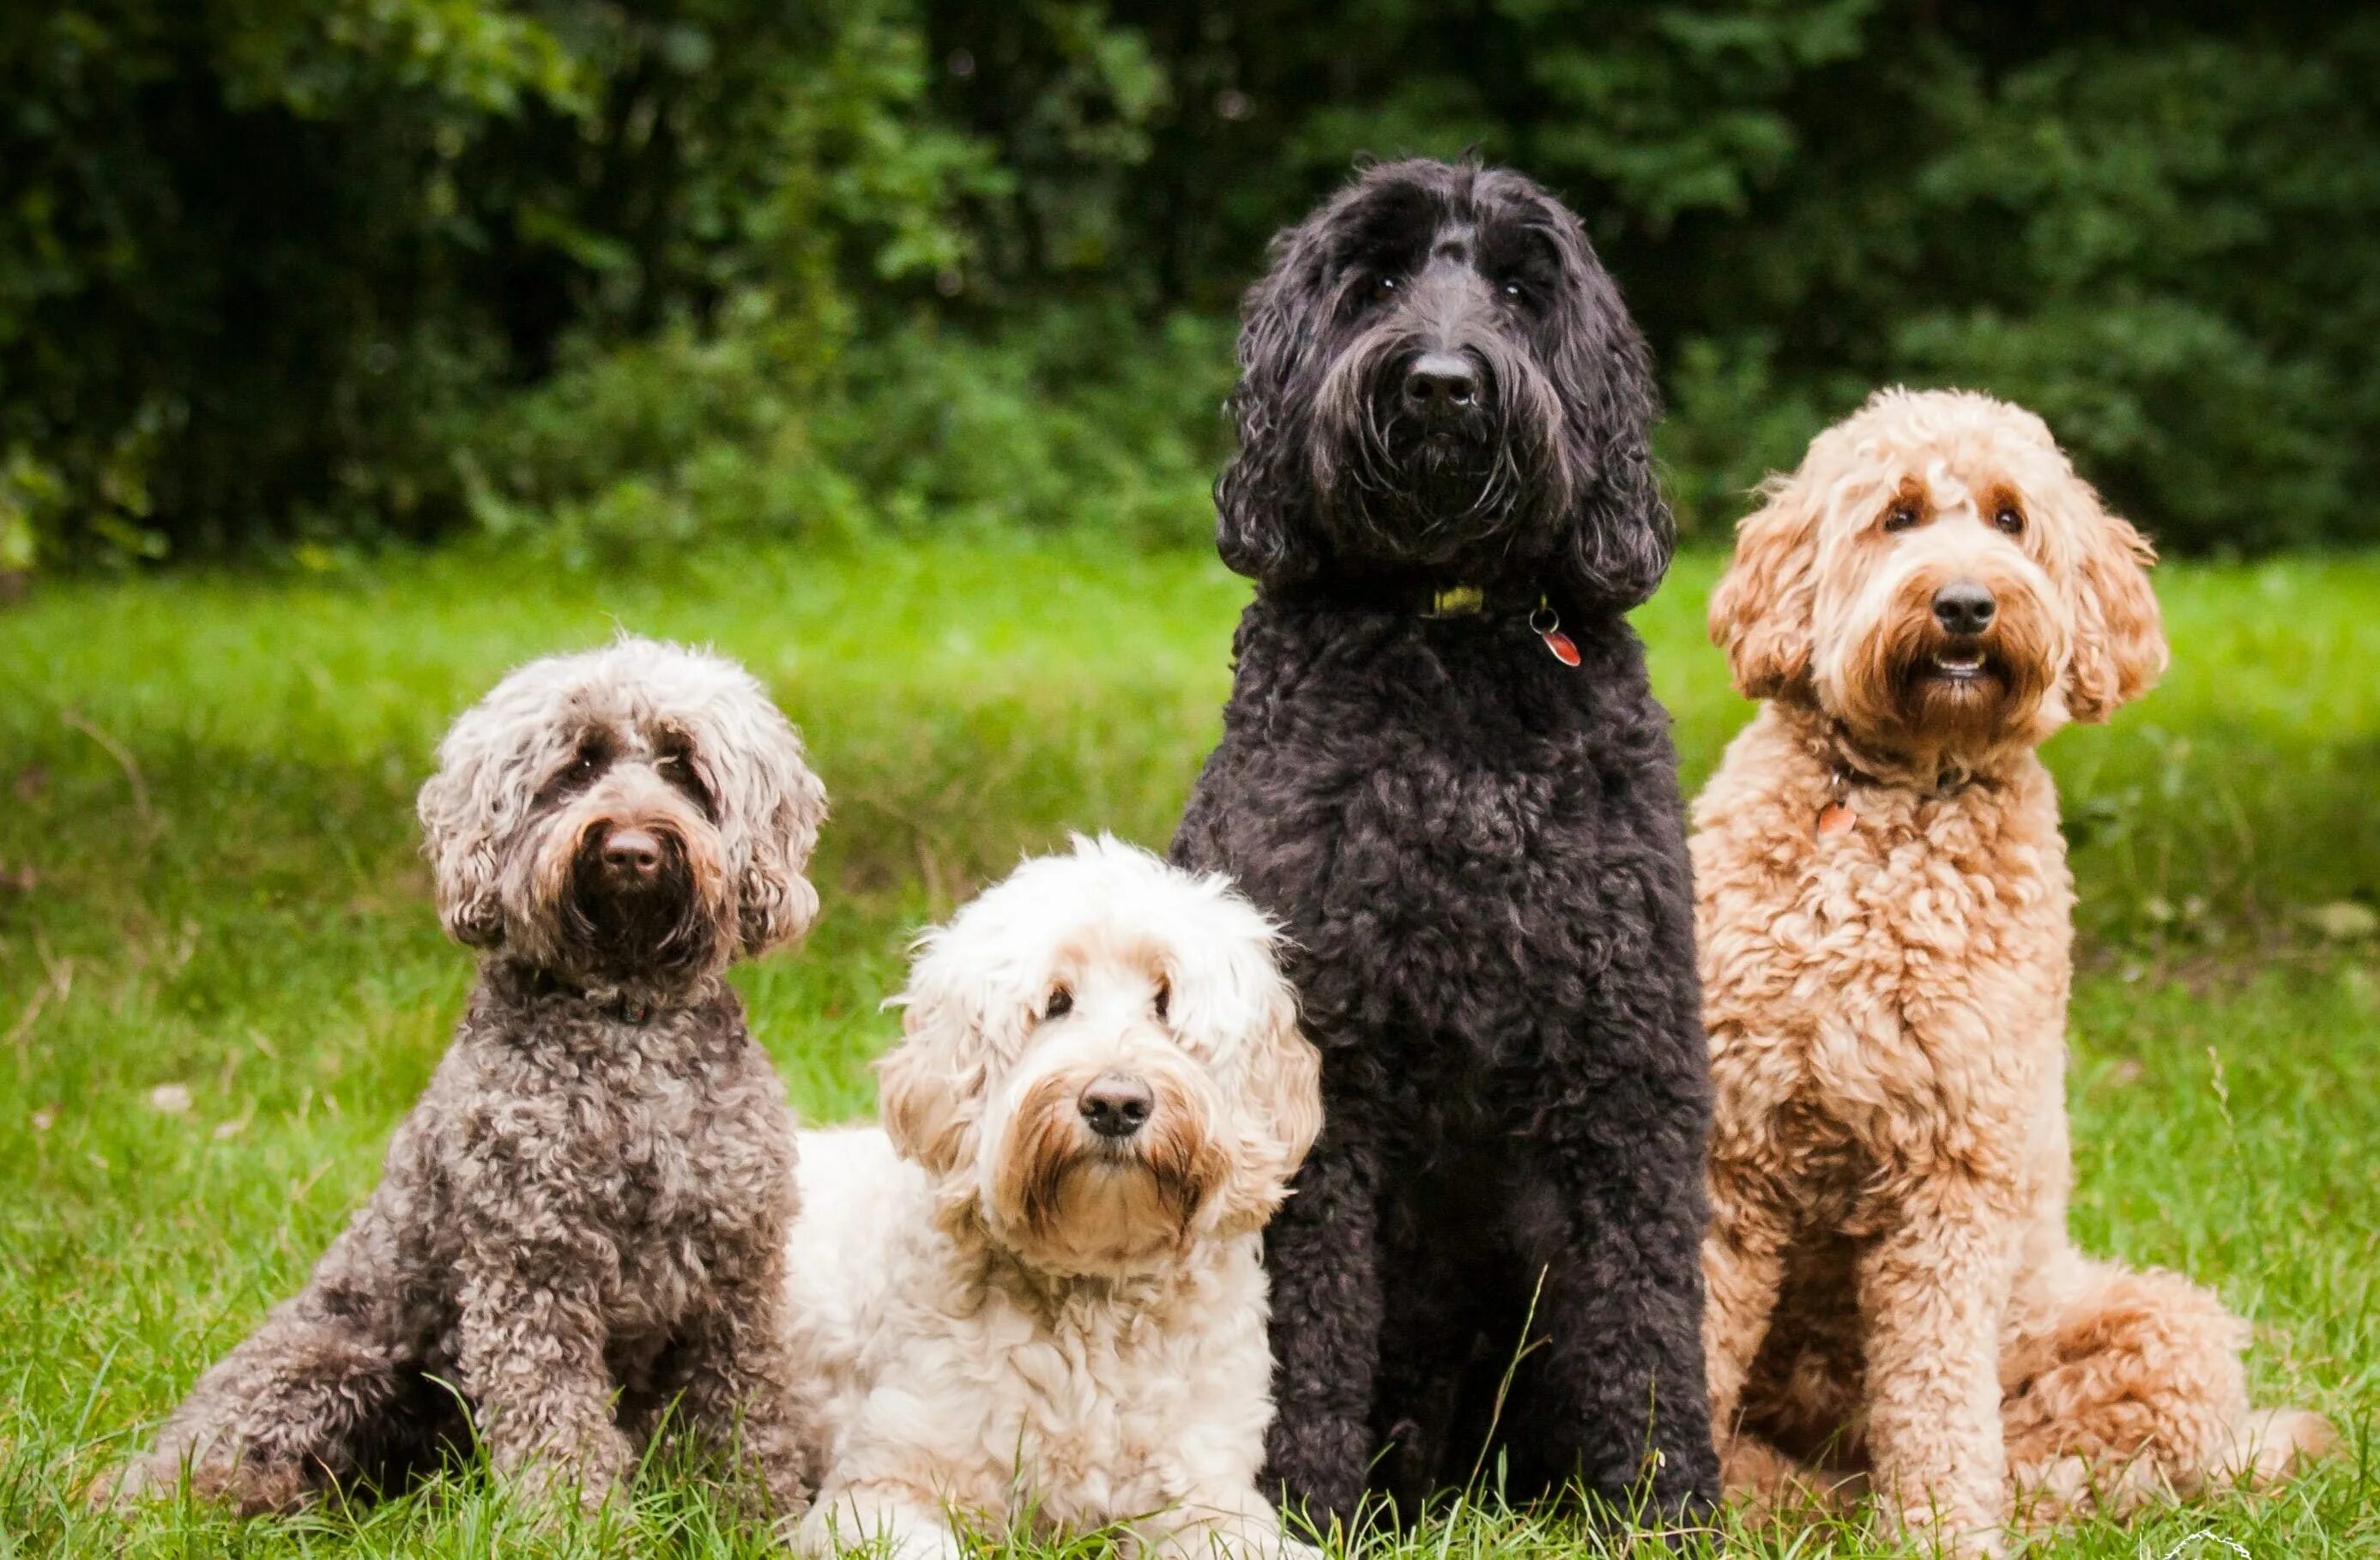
pixel 1104 946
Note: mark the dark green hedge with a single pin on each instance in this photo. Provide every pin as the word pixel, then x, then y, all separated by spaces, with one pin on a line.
pixel 289 274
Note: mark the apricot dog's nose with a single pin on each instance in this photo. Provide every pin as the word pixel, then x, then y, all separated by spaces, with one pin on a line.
pixel 1116 1105
pixel 1964 607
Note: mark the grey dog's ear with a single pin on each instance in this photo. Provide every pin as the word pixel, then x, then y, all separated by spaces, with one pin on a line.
pixel 780 804
pixel 467 809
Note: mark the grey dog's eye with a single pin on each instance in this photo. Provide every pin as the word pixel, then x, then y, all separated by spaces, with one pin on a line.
pixel 1511 289
pixel 1386 285
pixel 1062 1002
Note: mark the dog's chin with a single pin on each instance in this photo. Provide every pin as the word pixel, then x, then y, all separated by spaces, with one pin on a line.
pixel 1442 508
pixel 1957 692
pixel 1100 1210
pixel 652 930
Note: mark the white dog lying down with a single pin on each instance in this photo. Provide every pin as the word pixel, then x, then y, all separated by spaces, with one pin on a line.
pixel 1034 1303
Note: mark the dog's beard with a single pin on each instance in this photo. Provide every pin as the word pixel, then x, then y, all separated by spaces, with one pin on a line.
pixel 1907 682
pixel 1071 1203
pixel 1400 489
pixel 664 930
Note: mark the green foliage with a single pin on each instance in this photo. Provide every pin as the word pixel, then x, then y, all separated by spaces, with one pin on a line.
pixel 266 267
pixel 272 272
pixel 208 879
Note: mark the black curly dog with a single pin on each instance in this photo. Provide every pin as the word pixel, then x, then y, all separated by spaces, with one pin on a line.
pixel 1478 848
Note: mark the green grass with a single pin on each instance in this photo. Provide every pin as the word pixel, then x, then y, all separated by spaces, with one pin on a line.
pixel 209 880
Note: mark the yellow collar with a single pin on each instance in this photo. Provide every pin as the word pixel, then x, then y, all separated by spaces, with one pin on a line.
pixel 1457 601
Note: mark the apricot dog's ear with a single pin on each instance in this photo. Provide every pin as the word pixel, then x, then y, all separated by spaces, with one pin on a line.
pixel 2119 648
pixel 1761 614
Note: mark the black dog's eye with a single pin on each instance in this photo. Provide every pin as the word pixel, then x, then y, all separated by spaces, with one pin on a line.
pixel 1900 516
pixel 2009 520
pixel 1164 997
pixel 1062 1002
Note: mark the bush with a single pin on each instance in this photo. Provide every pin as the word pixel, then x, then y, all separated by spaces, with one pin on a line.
pixel 616 274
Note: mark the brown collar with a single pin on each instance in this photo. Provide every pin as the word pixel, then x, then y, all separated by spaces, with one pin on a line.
pixel 1847 764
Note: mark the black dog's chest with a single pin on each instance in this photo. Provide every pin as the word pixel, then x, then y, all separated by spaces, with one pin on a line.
pixel 1430 814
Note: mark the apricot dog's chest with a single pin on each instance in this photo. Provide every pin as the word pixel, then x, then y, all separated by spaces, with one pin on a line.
pixel 1907 975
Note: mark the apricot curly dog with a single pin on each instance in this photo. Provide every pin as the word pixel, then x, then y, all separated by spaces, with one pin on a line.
pixel 1885 915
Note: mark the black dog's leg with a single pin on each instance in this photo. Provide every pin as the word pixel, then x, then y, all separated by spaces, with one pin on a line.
pixel 1608 1222
pixel 1321 1251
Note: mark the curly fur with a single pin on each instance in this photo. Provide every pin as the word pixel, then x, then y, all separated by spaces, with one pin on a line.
pixel 581 1224
pixel 1010 1322
pixel 1478 855
pixel 1892 1291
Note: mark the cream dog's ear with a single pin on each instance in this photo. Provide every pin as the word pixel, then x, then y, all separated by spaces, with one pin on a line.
pixel 1761 615
pixel 1284 1101
pixel 930 1087
pixel 2120 648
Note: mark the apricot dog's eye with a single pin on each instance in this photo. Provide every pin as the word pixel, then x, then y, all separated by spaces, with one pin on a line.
pixel 1062 1002
pixel 2009 520
pixel 1164 998
pixel 1900 516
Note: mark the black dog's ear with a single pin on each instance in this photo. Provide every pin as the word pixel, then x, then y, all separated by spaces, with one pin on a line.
pixel 1263 519
pixel 1620 533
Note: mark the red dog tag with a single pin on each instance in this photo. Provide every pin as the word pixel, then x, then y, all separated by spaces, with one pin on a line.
pixel 1547 626
pixel 1835 818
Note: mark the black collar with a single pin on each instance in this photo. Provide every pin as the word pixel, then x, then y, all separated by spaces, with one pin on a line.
pixel 611 1002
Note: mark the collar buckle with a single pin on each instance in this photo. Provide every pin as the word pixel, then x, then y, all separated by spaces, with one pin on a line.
pixel 1457 601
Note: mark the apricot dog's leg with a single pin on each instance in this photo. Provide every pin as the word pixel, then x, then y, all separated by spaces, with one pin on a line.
pixel 1932 1293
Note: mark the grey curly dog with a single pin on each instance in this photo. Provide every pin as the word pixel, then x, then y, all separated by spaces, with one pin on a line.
pixel 582 1222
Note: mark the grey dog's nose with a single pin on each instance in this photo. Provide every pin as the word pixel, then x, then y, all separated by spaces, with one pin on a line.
pixel 1116 1105
pixel 632 853
pixel 1964 607
pixel 1438 382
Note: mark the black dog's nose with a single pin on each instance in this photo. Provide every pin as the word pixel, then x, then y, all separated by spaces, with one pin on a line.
pixel 1964 607
pixel 1438 382
pixel 632 853
pixel 1116 1105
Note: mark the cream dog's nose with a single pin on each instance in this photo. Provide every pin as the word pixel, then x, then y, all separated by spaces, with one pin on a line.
pixel 1116 1105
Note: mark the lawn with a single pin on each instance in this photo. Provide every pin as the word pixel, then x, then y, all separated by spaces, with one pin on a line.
pixel 221 982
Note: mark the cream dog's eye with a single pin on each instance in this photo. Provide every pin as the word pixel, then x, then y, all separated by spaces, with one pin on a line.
pixel 1900 516
pixel 1164 997
pixel 1062 1002
pixel 2009 520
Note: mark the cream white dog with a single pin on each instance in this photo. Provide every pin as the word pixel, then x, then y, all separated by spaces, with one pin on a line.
pixel 1034 1303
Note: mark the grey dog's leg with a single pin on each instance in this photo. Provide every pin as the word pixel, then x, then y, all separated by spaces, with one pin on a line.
pixel 307 1401
pixel 739 1393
